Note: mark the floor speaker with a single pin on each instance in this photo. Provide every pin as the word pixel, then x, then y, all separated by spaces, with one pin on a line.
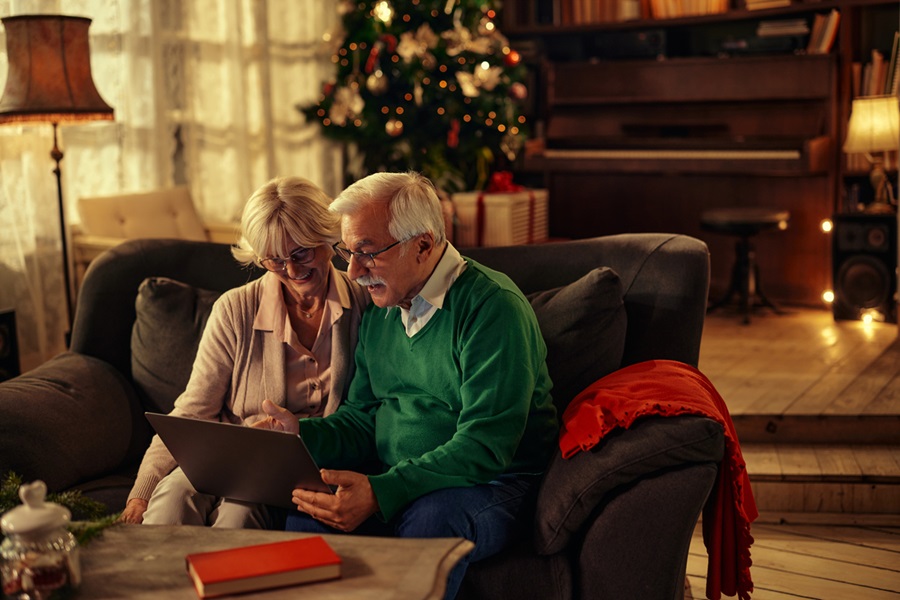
pixel 9 351
pixel 864 266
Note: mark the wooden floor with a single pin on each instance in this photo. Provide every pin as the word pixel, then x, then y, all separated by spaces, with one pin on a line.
pixel 813 561
pixel 816 404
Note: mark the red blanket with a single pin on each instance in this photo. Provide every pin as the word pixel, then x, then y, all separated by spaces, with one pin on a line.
pixel 665 387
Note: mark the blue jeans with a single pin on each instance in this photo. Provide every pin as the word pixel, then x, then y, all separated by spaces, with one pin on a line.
pixel 491 516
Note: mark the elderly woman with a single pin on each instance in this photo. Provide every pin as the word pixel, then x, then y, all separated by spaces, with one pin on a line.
pixel 288 336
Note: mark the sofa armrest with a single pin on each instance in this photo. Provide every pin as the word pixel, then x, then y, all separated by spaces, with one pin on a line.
pixel 69 420
pixel 573 489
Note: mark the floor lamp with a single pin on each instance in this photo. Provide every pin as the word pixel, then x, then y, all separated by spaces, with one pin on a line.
pixel 50 81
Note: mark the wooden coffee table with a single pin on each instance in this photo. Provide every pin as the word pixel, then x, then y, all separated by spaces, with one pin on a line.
pixel 147 561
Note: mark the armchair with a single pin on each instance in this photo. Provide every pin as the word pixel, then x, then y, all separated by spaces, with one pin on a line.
pixel 615 522
pixel 107 221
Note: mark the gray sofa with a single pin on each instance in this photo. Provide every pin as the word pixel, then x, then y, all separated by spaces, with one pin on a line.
pixel 614 522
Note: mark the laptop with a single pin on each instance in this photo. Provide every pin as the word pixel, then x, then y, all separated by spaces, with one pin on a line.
pixel 238 462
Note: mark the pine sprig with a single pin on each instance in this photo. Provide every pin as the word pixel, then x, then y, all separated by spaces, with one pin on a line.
pixel 90 517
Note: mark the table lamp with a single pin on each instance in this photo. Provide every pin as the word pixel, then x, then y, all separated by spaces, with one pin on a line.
pixel 875 129
pixel 50 81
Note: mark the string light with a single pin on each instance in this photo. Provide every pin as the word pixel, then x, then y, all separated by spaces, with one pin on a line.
pixel 827 226
pixel 383 12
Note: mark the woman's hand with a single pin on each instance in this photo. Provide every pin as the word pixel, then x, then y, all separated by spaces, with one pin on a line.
pixel 279 419
pixel 134 511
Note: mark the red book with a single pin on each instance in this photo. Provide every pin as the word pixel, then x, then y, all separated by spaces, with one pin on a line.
pixel 262 566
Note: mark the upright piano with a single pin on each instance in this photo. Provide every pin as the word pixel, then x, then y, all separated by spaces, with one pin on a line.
pixel 647 145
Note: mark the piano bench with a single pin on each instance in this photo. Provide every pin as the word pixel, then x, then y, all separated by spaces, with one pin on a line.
pixel 744 223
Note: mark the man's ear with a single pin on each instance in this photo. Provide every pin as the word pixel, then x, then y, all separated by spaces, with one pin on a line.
pixel 424 246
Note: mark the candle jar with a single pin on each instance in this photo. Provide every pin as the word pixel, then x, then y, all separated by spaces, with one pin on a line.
pixel 39 556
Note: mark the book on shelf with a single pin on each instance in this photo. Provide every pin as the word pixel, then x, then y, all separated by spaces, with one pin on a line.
pixel 262 566
pixel 824 32
pixel 892 77
pixel 766 4
pixel 782 27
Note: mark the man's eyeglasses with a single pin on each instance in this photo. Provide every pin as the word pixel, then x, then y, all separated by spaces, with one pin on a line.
pixel 364 259
pixel 298 258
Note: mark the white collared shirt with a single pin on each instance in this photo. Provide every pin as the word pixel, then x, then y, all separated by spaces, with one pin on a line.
pixel 431 298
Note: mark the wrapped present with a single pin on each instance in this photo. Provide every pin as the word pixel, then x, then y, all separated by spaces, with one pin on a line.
pixel 503 215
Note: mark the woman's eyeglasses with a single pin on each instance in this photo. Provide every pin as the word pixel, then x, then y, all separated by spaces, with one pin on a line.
pixel 298 258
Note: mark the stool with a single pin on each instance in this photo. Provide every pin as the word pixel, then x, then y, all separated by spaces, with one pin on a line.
pixel 744 223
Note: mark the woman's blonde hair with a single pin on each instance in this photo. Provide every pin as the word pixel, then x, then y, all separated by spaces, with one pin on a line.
pixel 285 211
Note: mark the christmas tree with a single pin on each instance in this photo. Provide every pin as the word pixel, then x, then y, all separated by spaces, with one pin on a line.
pixel 426 85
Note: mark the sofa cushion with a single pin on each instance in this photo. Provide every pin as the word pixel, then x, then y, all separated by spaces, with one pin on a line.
pixel 583 324
pixel 574 488
pixel 170 320
pixel 71 419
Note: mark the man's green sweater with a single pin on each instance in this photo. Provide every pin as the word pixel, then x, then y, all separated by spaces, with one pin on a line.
pixel 464 400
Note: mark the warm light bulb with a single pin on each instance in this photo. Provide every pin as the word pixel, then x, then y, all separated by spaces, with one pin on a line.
pixel 827 225
pixel 383 12
pixel 872 315
pixel 828 296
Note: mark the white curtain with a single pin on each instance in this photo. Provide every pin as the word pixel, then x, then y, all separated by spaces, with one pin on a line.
pixel 205 94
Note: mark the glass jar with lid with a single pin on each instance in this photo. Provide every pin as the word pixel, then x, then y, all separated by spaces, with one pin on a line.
pixel 39 556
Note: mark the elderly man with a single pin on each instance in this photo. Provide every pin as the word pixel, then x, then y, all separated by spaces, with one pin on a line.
pixel 451 392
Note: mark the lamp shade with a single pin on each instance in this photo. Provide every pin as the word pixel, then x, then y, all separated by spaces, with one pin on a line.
pixel 874 125
pixel 50 71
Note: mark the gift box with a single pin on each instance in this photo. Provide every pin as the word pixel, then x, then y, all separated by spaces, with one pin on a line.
pixel 505 218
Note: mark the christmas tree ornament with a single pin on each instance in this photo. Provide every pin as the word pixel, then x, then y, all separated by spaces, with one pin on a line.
pixel 394 127
pixel 512 58
pixel 417 44
pixel 510 146
pixel 377 83
pixel 347 104
pixel 453 134
pixel 518 91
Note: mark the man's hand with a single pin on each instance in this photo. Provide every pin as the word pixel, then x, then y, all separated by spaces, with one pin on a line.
pixel 279 419
pixel 134 511
pixel 353 503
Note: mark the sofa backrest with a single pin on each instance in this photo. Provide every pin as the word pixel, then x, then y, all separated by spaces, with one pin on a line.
pixel 665 278
pixel 105 308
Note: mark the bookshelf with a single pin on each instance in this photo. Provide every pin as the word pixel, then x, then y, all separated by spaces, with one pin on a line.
pixel 735 78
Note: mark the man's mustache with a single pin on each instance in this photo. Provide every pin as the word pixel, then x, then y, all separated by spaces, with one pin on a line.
pixel 367 280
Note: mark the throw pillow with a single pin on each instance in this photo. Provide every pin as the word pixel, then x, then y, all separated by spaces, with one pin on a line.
pixel 573 488
pixel 170 320
pixel 583 324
